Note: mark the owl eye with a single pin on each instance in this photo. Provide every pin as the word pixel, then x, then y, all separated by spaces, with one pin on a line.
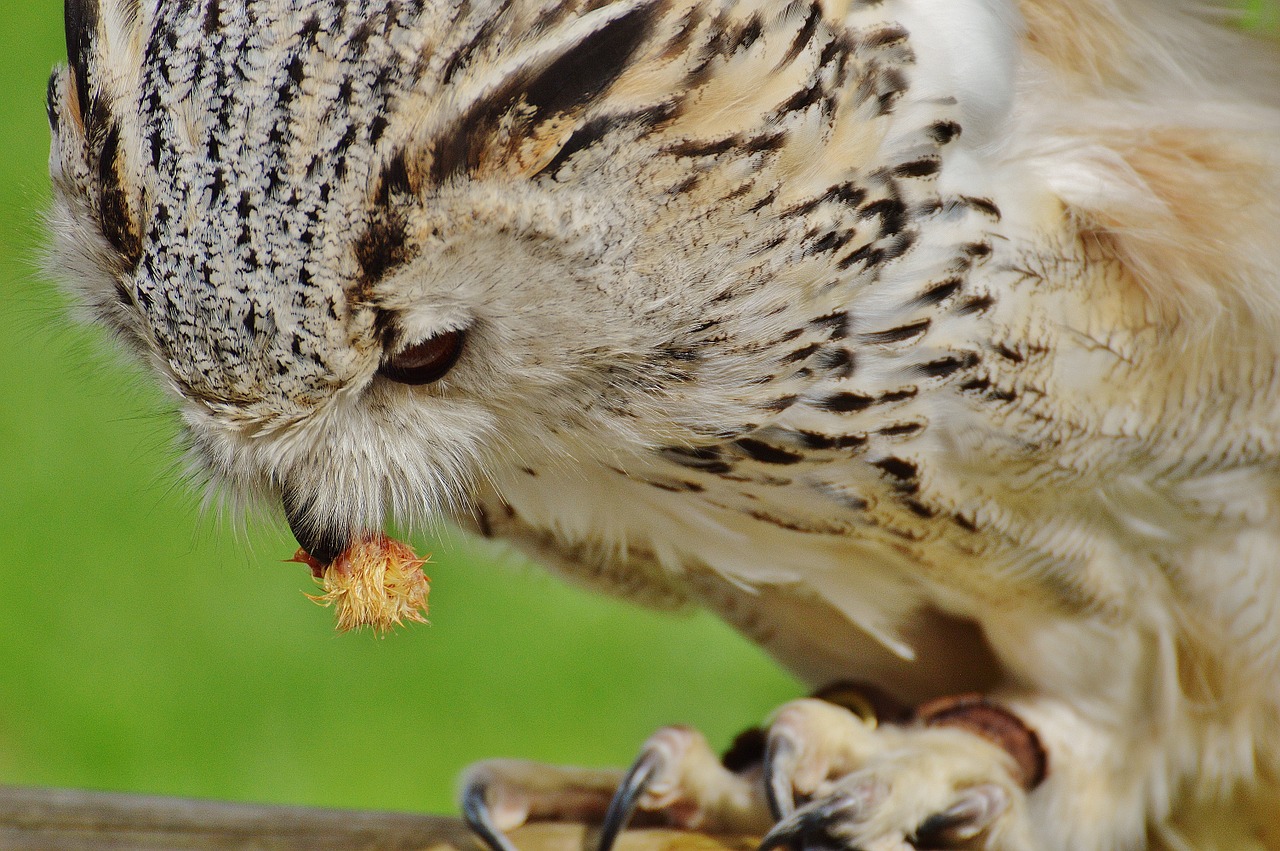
pixel 425 362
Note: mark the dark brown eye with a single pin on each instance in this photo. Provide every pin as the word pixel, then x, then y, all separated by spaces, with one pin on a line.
pixel 424 362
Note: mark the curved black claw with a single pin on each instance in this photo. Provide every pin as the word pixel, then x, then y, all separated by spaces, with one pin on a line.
pixel 779 763
pixel 809 826
pixel 962 821
pixel 624 802
pixel 475 810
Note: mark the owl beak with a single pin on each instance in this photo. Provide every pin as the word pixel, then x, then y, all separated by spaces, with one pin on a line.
pixel 324 544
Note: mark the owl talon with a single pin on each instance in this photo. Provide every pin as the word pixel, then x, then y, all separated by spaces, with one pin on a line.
pixel 812 825
pixel 623 806
pixel 479 816
pixel 779 765
pixel 839 821
pixel 979 807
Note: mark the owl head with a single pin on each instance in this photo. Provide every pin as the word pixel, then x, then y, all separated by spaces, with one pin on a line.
pixel 381 250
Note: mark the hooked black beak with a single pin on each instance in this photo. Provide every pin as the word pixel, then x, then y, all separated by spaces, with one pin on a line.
pixel 321 543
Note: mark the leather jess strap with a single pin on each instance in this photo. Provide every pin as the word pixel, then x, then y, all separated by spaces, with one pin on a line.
pixel 970 712
pixel 977 715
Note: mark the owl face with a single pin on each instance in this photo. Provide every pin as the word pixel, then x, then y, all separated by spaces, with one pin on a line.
pixel 381 250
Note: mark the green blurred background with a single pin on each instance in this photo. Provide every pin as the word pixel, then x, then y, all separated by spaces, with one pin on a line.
pixel 146 647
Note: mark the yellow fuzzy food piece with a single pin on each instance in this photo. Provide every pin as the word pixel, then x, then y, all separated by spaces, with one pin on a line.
pixel 376 582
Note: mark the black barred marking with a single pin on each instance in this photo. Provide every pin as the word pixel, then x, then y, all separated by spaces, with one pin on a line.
pixel 794 525
pixel 838 47
pixel 680 42
pixel 869 254
pixel 765 143
pixel 978 250
pixel 977 304
pixel 358 43
pixel 674 487
pixel 212 18
pixel 842 193
pixel 984 386
pixel 886 36
pixel 817 440
pixel 765 453
pixel 944 132
pixel 590 67
pixel 897 468
pixel 684 185
pixel 899 395
pixel 579 140
pixel 51 102
pixel 848 500
pixel 463 56
pixel 394 180
pixel 381 248
pixel 892 213
pixel 1001 395
pixel 802 353
pixel 831 241
pixel 1009 354
pixel 893 82
pixel 595 130
pixel 311 29
pixel 839 362
pixel 113 211
pixel 780 404
pixel 107 155
pixel 803 37
pixel 964 522
pixel 679 353
pixel 708 459
pixel 923 167
pixel 896 335
pixel 928 207
pixel 983 205
pixel 943 367
pixel 699 148
pixel 939 292
pixel 218 185
pixel 901 429
pixel 296 69
pixel 564 86
pixel 803 99
pixel 918 508
pixel 748 34
pixel 768 199
pixel 741 189
pixel 845 402
pixel 836 324
pixel 80 24
pixel 772 243
pixel 848 402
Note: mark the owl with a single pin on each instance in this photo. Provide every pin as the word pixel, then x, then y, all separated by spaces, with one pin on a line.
pixel 933 344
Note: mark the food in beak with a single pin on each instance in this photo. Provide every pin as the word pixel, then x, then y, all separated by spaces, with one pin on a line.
pixel 376 582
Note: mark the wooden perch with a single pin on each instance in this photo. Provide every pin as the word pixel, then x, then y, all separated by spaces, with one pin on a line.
pixel 60 820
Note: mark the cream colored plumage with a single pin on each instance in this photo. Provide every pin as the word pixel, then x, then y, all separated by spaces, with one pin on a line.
pixel 932 343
